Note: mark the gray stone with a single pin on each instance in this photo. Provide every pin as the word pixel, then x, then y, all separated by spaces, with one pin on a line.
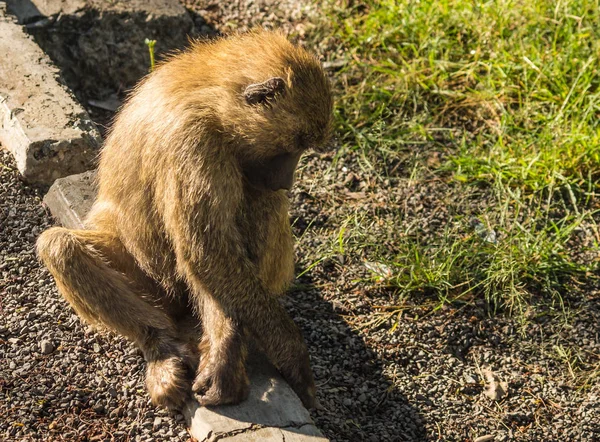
pixel 71 198
pixel 46 130
pixel 100 45
pixel 494 388
pixel 273 434
pixel 271 412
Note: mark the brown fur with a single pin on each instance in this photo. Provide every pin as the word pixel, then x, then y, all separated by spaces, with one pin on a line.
pixel 192 206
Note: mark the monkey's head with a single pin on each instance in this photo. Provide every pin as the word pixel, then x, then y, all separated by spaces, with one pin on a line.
pixel 279 107
pixel 287 117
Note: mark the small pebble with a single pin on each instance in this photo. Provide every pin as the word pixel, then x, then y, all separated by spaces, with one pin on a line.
pixel 46 347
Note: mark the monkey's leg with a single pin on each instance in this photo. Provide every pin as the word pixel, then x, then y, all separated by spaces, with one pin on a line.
pixel 88 268
pixel 221 377
pixel 267 321
pixel 281 340
pixel 211 255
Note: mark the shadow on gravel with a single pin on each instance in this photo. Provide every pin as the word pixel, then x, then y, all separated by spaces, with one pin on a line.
pixel 101 51
pixel 358 401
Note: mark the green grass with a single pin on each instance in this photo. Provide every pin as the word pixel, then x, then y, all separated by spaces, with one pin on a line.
pixel 509 92
pixel 530 258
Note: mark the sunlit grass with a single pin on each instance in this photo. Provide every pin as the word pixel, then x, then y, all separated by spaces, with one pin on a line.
pixel 509 91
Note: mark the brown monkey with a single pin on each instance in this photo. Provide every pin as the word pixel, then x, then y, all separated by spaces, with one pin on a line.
pixel 192 211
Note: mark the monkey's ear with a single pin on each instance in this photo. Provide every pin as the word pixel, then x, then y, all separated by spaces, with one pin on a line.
pixel 264 92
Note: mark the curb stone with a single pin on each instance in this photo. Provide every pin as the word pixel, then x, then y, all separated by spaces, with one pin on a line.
pixel 272 411
pixel 46 130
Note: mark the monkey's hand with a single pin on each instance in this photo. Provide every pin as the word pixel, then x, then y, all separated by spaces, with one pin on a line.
pixel 285 348
pixel 221 382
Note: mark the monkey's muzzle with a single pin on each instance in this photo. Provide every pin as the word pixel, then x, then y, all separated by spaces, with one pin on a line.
pixel 275 173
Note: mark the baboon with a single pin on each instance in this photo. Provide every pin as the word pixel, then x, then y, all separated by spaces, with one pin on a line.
pixel 191 218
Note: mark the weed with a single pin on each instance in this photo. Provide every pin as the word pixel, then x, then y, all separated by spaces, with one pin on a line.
pixel 150 44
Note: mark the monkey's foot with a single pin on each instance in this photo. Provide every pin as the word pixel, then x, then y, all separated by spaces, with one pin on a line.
pixel 300 378
pixel 306 392
pixel 168 382
pixel 221 384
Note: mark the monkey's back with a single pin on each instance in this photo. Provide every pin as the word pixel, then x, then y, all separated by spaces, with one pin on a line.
pixel 188 116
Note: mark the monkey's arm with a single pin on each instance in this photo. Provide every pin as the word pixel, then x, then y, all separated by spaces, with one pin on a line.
pixel 212 257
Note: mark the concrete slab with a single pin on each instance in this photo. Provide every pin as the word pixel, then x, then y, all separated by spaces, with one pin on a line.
pixel 29 10
pixel 99 44
pixel 47 131
pixel 272 412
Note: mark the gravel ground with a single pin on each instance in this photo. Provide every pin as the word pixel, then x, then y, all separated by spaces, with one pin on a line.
pixel 454 374
pixel 58 379
pixel 422 381
pixel 290 16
